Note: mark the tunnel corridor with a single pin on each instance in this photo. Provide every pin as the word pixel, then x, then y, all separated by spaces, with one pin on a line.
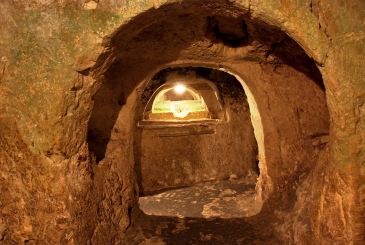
pixel 182 122
pixel 282 102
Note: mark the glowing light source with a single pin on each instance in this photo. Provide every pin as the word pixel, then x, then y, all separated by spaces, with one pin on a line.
pixel 179 89
pixel 178 102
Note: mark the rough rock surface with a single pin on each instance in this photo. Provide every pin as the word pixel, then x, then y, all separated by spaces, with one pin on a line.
pixel 70 66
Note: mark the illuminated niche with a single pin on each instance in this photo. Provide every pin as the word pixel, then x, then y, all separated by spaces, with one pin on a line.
pixel 184 102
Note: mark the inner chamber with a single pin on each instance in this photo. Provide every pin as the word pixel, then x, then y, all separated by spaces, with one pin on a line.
pixel 202 160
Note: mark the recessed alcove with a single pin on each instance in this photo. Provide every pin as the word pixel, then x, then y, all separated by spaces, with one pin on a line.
pixel 183 100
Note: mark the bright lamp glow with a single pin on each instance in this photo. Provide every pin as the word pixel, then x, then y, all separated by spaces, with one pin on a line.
pixel 179 89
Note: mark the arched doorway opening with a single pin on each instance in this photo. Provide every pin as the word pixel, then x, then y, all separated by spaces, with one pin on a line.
pixel 203 163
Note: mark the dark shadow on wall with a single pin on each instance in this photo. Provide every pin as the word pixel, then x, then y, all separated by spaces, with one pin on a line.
pixel 108 101
pixel 242 31
pixel 290 53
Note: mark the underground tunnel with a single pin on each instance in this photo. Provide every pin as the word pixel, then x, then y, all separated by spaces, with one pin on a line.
pixel 256 136
pixel 181 122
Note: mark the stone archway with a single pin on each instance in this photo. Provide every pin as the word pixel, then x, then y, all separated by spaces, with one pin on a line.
pixel 279 74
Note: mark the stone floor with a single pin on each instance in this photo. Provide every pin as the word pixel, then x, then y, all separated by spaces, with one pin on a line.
pixel 223 212
pixel 224 199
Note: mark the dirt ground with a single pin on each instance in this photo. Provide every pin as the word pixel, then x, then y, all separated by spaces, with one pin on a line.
pixel 207 213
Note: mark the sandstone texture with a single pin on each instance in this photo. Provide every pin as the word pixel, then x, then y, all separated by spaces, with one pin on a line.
pixel 72 76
